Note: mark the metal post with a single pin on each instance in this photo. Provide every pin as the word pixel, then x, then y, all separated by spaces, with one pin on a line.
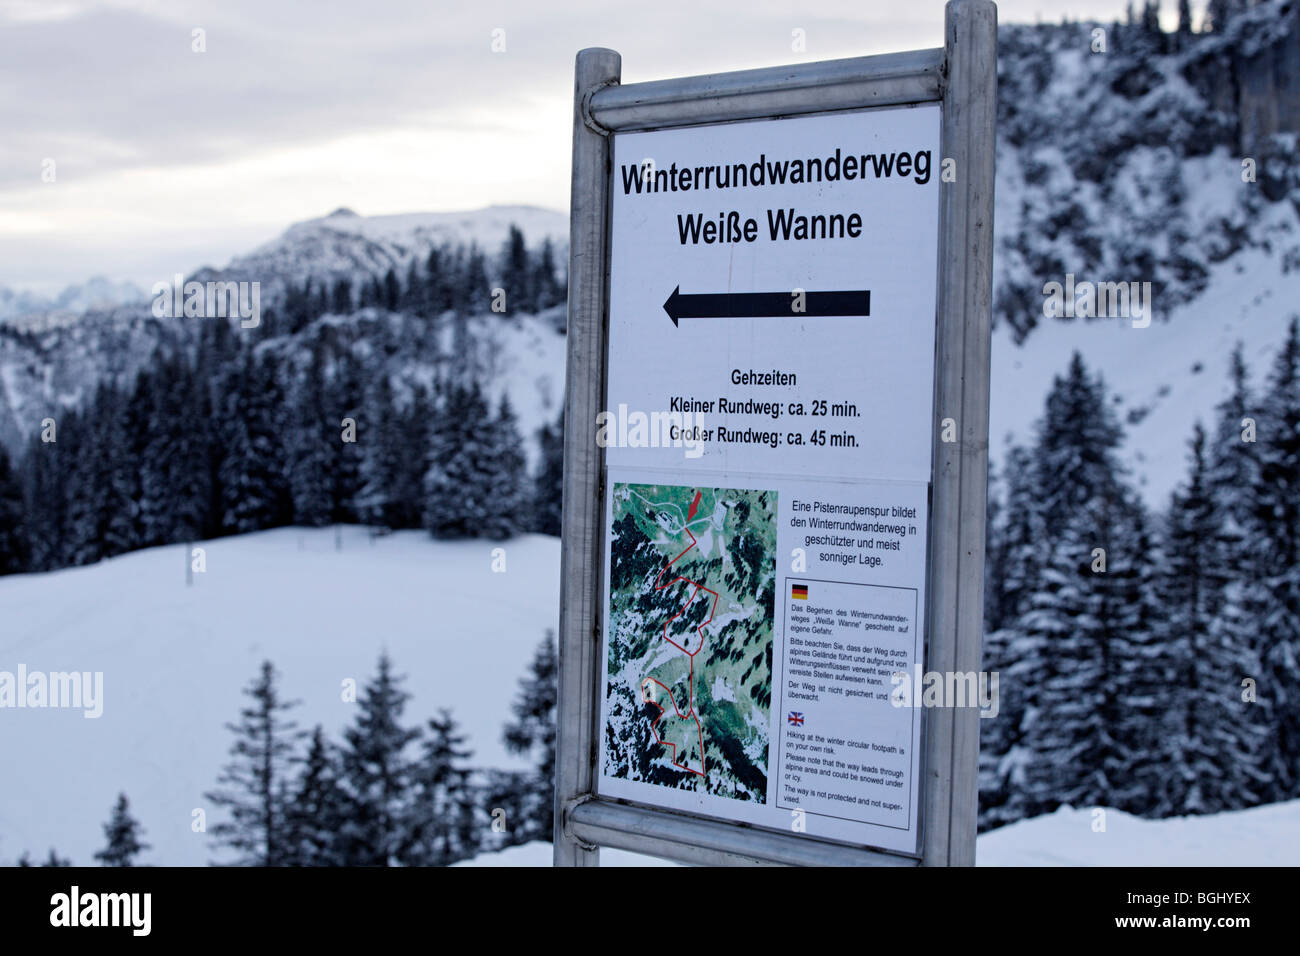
pixel 581 517
pixel 956 624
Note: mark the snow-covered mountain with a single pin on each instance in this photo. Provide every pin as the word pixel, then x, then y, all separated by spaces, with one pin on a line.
pixel 51 358
pixel 25 310
pixel 348 246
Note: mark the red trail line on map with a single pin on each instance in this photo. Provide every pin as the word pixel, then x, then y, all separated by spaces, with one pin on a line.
pixel 690 710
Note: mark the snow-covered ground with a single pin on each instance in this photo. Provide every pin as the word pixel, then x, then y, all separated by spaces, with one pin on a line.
pixel 175 660
pixel 539 854
pixel 1263 836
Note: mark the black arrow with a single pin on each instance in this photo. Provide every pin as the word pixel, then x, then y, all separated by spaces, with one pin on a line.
pixel 750 305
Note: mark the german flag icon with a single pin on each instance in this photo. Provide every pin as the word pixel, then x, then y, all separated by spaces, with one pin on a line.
pixel 799 592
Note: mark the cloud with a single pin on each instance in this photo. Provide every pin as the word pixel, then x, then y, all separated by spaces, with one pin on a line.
pixel 295 109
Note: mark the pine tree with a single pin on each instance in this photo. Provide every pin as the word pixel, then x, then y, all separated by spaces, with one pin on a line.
pixel 1233 564
pixel 345 398
pixel 172 462
pixel 1074 461
pixel 1081 655
pixel 517 273
pixel 52 860
pixel 341 300
pixel 15 553
pixel 311 480
pixel 1210 764
pixel 443 820
pixel 507 493
pixel 532 734
pixel 439 267
pixel 123 833
pixel 474 285
pixel 1019 549
pixel 547 290
pixel 413 295
pixel 1218 14
pixel 548 482
pixel 381 458
pixel 1277 564
pixel 1015 563
pixel 1151 18
pixel 377 774
pixel 45 495
pixel 317 811
pixel 461 464
pixel 254 483
pixel 251 785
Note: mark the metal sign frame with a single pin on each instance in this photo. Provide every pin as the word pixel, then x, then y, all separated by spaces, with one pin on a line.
pixel 962 77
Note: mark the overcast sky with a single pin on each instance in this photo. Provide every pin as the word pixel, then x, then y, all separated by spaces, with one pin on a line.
pixel 166 159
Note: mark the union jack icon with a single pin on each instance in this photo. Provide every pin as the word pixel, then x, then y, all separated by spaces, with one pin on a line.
pixel 795 719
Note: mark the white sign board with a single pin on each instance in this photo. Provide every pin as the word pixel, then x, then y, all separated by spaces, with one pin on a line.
pixel 768 443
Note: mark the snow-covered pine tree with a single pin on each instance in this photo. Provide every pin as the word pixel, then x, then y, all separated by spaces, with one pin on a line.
pixel 1141 661
pixel 532 734
pixel 460 461
pixel 123 833
pixel 444 824
pixel 1231 563
pixel 474 284
pixel 441 269
pixel 87 495
pixel 317 809
pixel 548 480
pixel 377 774
pixel 119 447
pixel 413 294
pixel 517 274
pixel 1277 525
pixel 345 397
pixel 311 480
pixel 1075 455
pixel 1019 553
pixel 381 458
pixel 250 786
pixel 254 483
pixel 1208 764
pixel 174 479
pixel 1079 653
pixel 52 860
pixel 152 515
pixel 45 498
pixel 341 297
pixel 406 494
pixel 507 493
pixel 548 291
pixel 1019 548
pixel 15 552
pixel 392 291
pixel 509 798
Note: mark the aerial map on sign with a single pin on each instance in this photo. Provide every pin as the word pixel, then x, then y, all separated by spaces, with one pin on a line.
pixel 692 589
